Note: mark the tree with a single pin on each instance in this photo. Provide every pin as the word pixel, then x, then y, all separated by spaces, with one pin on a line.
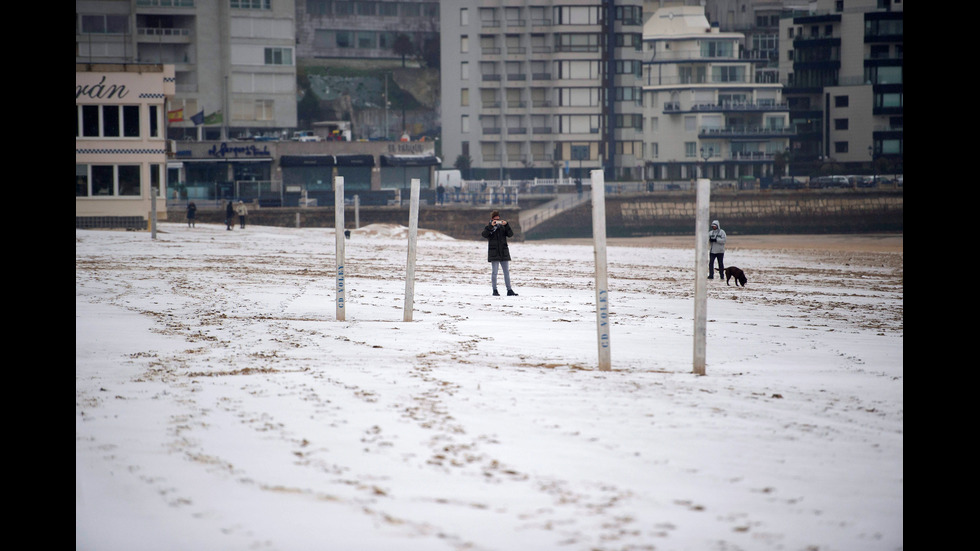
pixel 463 164
pixel 403 47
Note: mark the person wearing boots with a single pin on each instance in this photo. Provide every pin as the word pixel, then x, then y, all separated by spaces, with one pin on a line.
pixel 717 238
pixel 498 253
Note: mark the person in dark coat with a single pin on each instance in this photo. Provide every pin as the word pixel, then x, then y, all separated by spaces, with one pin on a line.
pixel 230 215
pixel 191 214
pixel 498 253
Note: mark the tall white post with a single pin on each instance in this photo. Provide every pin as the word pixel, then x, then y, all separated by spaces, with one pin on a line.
pixel 357 212
pixel 338 187
pixel 413 230
pixel 701 250
pixel 601 278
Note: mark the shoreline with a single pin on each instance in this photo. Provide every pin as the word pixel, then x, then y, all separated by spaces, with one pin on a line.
pixel 872 242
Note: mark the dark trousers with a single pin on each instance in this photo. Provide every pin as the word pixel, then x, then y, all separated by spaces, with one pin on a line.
pixel 721 265
pixel 242 220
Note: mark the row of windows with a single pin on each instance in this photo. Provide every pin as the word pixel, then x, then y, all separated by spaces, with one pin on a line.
pixel 336 38
pixel 112 180
pixel 382 9
pixel 116 121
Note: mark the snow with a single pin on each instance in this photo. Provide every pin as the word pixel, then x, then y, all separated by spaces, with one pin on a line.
pixel 219 404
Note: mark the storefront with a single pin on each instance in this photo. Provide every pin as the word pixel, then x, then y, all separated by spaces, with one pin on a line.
pixel 298 173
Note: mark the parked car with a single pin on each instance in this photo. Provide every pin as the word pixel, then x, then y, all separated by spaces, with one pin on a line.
pixel 787 182
pixel 829 181
pixel 865 181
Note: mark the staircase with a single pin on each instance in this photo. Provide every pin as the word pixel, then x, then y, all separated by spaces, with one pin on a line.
pixel 563 202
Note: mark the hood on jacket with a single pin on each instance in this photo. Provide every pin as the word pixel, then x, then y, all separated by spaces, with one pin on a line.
pixel 715 223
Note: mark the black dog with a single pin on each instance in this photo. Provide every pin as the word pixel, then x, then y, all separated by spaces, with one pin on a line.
pixel 738 274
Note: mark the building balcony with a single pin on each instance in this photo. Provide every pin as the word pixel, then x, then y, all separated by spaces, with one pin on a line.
pixel 745 132
pixel 728 107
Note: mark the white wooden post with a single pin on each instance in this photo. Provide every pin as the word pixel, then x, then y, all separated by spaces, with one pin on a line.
pixel 338 186
pixel 357 212
pixel 601 283
pixel 413 230
pixel 701 250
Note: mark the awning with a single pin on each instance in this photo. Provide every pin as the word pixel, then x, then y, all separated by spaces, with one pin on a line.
pixel 355 160
pixel 307 160
pixel 410 160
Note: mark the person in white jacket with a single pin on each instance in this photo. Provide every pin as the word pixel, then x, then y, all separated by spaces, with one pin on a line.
pixel 717 238
pixel 242 211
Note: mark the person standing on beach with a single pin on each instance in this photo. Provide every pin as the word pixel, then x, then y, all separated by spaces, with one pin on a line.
pixel 242 211
pixel 191 214
pixel 498 253
pixel 717 238
pixel 229 215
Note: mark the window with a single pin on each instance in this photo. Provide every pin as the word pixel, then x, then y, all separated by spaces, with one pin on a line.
pixel 107 180
pixel 388 9
pixel 318 7
pixel 728 73
pixel 155 123
pixel 841 101
pixel 690 149
pixel 108 121
pixel 464 44
pixel 366 40
pixel 464 97
pixel 840 124
pixel 366 8
pixel 840 147
pixel 464 17
pixel 345 39
pixel 252 4
pixel 464 124
pixel 105 24
pixel 278 56
pixel 464 70
pixel 343 8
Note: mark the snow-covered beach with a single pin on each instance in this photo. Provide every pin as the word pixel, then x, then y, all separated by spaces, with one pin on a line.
pixel 219 404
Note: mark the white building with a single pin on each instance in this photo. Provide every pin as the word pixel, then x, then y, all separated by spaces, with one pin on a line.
pixel 703 103
pixel 532 88
pixel 234 60
pixel 120 143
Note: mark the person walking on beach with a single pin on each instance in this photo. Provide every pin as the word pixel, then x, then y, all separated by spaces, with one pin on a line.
pixel 229 215
pixel 717 238
pixel 242 211
pixel 498 253
pixel 191 214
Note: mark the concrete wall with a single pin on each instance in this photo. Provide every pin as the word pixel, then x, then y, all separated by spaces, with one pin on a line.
pixel 666 213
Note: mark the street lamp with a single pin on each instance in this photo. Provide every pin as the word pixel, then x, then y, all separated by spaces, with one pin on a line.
pixel 705 155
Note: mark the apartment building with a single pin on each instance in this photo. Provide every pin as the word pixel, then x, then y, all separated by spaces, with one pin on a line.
pixel 367 30
pixel 234 60
pixel 706 111
pixel 842 66
pixel 534 89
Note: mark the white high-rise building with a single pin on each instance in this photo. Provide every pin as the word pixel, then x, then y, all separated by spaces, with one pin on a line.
pixel 704 106
pixel 532 88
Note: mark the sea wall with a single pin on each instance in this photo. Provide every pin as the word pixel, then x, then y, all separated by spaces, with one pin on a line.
pixel 663 213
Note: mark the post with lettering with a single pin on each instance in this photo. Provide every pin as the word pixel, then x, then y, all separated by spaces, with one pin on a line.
pixel 601 279
pixel 701 274
pixel 413 230
pixel 338 188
